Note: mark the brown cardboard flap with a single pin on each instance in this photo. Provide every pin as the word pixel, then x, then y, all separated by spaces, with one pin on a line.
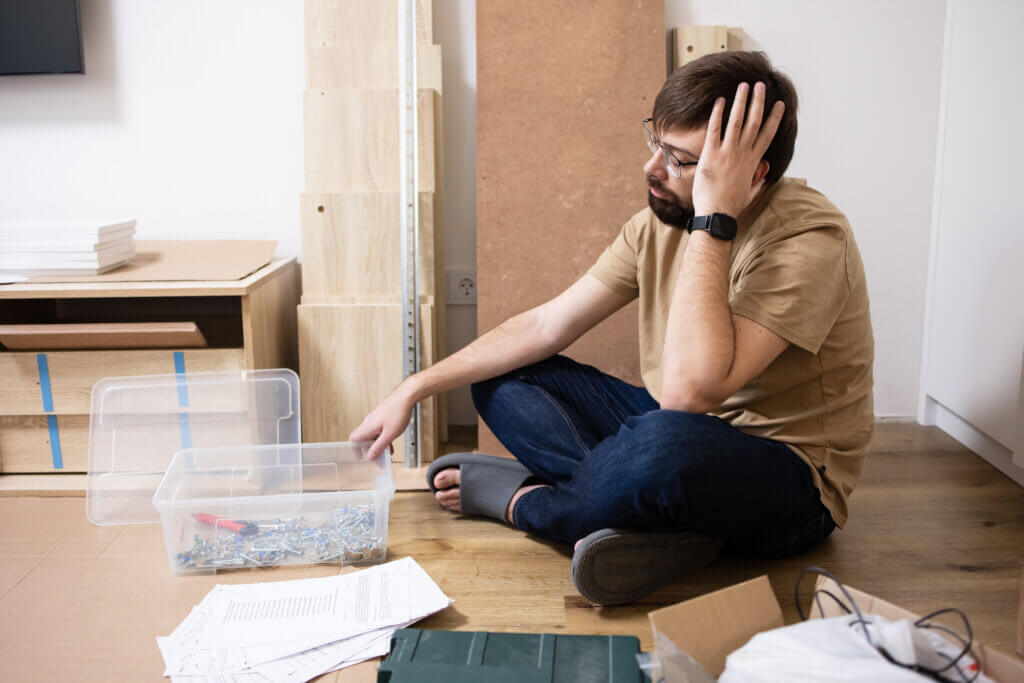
pixel 1000 666
pixel 174 260
pixel 711 626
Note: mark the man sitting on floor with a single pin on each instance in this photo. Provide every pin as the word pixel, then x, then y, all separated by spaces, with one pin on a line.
pixel 756 354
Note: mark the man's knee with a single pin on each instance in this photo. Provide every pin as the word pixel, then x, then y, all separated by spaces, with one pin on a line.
pixel 486 391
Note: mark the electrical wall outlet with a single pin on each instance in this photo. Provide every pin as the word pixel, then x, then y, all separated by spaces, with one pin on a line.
pixel 461 288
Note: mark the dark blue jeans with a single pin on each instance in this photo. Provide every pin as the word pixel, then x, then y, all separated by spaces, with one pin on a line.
pixel 613 458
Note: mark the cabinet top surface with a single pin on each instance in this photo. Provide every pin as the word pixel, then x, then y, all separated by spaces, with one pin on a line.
pixel 78 290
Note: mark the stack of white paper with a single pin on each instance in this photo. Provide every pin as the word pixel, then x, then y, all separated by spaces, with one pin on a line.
pixel 293 631
pixel 65 247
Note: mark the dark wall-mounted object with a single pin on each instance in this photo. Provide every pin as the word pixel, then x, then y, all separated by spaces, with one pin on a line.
pixel 40 37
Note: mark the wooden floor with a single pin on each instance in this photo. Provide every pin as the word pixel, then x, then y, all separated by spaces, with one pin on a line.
pixel 931 526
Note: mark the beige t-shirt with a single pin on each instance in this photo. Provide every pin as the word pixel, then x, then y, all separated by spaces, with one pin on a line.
pixel 795 270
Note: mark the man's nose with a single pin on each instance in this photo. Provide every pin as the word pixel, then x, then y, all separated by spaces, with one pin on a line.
pixel 655 165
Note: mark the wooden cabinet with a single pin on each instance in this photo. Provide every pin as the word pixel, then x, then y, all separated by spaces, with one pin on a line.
pixel 44 408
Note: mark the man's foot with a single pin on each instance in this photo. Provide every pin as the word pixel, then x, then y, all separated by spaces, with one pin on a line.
pixel 447 482
pixel 478 484
pixel 613 567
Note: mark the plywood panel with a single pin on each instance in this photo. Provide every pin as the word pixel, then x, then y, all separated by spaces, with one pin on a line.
pixel 560 153
pixel 138 335
pixel 25 443
pixel 350 359
pixel 368 66
pixel 269 322
pixel 72 374
pixel 351 140
pixel 334 22
pixel 692 42
pixel 351 245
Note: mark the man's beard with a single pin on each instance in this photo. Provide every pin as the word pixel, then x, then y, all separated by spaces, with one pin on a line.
pixel 668 212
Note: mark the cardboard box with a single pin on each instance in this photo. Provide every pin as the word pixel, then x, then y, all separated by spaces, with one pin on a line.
pixel 707 628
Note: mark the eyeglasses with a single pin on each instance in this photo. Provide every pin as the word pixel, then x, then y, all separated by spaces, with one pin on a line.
pixel 674 165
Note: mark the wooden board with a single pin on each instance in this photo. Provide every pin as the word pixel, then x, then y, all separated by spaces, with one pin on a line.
pixel 72 374
pixel 337 22
pixel 25 443
pixel 270 323
pixel 368 66
pixel 143 335
pixel 351 245
pixel 691 42
pixel 560 154
pixel 350 358
pixel 362 155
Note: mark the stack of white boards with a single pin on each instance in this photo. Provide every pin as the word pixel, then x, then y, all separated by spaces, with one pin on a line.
pixel 65 247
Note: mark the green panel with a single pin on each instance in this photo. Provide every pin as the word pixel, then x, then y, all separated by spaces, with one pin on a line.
pixel 470 656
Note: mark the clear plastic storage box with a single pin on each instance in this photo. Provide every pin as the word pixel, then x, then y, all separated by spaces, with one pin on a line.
pixel 137 424
pixel 251 506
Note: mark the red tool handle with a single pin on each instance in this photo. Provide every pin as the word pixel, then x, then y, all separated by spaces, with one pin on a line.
pixel 219 521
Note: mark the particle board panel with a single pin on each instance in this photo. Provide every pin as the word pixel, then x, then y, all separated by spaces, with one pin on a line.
pixel 351 245
pixel 140 335
pixel 72 374
pixel 335 22
pixel 692 42
pixel 25 443
pixel 352 145
pixel 560 154
pixel 270 323
pixel 351 360
pixel 368 66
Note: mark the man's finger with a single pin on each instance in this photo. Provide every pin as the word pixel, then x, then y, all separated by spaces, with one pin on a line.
pixel 714 136
pixel 754 115
pixel 378 447
pixel 739 107
pixel 771 126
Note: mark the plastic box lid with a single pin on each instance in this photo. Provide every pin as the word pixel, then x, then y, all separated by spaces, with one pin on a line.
pixel 136 425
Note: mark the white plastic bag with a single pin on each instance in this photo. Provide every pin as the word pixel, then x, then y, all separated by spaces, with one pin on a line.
pixel 835 650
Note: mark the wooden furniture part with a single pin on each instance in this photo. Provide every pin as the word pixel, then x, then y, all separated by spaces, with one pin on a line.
pixel 339 22
pixel 44 410
pixel 352 283
pixel 559 155
pixel 691 42
pixel 351 140
pixel 101 336
pixel 351 359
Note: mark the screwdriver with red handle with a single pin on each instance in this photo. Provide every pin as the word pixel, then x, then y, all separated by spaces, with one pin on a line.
pixel 240 528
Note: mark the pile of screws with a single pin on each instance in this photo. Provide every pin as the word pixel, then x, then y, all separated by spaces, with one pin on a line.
pixel 348 535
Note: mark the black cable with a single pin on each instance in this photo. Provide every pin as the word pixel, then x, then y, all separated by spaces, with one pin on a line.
pixel 923 622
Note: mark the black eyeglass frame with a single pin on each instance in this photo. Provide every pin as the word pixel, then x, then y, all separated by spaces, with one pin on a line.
pixel 654 144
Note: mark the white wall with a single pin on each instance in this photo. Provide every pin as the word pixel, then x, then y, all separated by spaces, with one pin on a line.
pixel 189 118
pixel 867 74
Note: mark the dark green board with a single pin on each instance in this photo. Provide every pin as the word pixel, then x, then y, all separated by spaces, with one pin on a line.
pixel 474 656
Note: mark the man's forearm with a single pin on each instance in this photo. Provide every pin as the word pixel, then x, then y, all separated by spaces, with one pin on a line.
pixel 513 344
pixel 699 337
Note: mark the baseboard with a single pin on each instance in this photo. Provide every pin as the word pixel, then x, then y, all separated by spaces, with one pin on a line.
pixel 990 450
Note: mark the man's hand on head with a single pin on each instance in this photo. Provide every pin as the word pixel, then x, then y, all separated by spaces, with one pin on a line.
pixel 728 176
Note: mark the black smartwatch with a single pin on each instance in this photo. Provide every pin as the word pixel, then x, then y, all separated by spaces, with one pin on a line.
pixel 719 225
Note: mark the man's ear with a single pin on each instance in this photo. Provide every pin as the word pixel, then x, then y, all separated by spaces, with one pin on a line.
pixel 761 172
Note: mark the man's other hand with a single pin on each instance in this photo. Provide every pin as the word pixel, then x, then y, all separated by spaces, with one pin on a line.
pixel 730 173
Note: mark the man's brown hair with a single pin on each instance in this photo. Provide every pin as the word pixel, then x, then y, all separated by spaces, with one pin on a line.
pixel 689 94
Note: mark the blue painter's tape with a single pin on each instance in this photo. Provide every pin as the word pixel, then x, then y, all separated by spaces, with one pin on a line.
pixel 44 382
pixel 58 459
pixel 51 420
pixel 179 370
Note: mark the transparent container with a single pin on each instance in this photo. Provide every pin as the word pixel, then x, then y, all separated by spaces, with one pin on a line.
pixel 137 424
pixel 255 506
